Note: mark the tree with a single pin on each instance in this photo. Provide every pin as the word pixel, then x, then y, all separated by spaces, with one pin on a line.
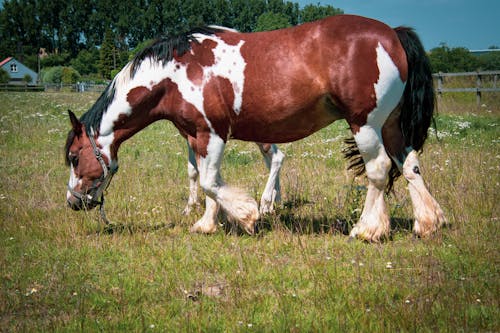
pixel 86 61
pixel 107 55
pixel 312 13
pixel 27 79
pixel 459 59
pixel 490 61
pixel 272 21
pixel 4 76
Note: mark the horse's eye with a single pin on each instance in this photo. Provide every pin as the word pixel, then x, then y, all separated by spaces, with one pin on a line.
pixel 73 160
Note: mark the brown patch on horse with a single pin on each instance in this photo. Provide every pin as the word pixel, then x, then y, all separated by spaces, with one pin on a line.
pixel 195 73
pixel 200 53
pixel 392 136
pixel 230 38
pixel 218 97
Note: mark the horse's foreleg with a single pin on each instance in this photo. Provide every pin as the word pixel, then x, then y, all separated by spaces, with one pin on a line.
pixel 237 204
pixel 193 199
pixel 273 158
pixel 374 222
pixel 208 223
pixel 428 214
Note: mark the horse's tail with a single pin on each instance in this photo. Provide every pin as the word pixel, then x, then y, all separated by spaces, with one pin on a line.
pixel 418 100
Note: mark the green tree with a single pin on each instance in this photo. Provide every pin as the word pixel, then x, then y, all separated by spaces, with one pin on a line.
pixel 459 59
pixel 490 61
pixel 69 75
pixel 86 62
pixel 272 21
pixel 51 74
pixel 27 79
pixel 315 12
pixel 107 55
pixel 4 76
pixel 245 13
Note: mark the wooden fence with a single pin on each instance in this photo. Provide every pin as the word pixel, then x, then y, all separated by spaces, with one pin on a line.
pixel 76 87
pixel 486 81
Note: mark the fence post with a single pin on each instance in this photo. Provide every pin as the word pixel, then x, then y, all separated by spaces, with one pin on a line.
pixel 440 85
pixel 478 89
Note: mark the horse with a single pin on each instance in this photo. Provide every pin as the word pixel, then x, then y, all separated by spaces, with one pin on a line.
pixel 215 84
pixel 273 158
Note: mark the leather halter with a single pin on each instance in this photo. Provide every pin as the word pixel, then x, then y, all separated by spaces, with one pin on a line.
pixel 96 195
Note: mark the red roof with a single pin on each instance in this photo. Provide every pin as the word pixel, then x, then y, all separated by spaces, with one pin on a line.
pixel 5 61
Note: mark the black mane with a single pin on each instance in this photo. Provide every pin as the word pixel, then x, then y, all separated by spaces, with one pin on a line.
pixel 162 49
pixel 92 118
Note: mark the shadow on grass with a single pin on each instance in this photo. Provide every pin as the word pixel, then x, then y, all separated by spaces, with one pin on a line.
pixel 401 224
pixel 131 228
pixel 289 219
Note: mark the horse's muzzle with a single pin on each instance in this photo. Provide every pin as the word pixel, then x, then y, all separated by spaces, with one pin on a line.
pixel 77 204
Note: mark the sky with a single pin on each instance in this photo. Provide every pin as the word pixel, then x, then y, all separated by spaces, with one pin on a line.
pixel 473 24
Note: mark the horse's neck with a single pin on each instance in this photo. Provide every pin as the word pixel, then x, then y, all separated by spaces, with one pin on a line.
pixel 125 124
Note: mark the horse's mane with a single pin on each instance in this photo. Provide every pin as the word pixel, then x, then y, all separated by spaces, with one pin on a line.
pixel 92 118
pixel 161 49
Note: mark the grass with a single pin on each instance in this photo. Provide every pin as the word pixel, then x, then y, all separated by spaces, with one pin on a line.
pixel 60 271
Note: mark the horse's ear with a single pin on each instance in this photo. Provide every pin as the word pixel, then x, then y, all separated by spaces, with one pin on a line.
pixel 77 125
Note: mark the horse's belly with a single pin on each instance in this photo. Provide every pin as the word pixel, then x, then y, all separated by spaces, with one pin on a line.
pixel 285 124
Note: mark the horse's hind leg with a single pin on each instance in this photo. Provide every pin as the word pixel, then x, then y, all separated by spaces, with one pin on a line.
pixel 237 204
pixel 273 158
pixel 193 173
pixel 428 214
pixel 374 222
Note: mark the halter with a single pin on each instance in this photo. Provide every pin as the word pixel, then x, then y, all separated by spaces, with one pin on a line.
pixel 105 180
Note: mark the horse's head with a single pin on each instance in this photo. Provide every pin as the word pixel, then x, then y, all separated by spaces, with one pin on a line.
pixel 90 172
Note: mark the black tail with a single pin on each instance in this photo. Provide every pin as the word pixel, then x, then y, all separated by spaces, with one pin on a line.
pixel 418 104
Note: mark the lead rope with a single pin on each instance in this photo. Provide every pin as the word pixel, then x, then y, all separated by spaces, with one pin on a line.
pixel 102 212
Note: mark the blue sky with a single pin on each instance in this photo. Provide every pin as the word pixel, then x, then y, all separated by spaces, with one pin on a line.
pixel 474 24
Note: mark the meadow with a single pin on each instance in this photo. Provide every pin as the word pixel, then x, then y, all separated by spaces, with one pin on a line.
pixel 62 271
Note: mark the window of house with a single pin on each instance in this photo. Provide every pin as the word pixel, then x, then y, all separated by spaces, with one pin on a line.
pixel 13 68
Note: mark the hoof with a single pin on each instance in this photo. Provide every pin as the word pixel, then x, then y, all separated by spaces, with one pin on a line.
pixel 201 227
pixel 429 223
pixel 369 233
pixel 266 208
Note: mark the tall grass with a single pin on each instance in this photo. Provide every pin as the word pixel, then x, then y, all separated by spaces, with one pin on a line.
pixel 60 270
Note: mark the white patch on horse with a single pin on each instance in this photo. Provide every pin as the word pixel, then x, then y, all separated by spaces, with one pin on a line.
pixel 73 181
pixel 229 64
pixel 388 89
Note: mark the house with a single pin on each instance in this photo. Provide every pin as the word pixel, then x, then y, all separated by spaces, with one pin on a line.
pixel 17 71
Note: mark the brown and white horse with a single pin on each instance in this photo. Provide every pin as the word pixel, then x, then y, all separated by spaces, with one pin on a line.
pixel 216 84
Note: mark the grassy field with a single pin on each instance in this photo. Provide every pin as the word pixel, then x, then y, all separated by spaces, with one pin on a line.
pixel 60 271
